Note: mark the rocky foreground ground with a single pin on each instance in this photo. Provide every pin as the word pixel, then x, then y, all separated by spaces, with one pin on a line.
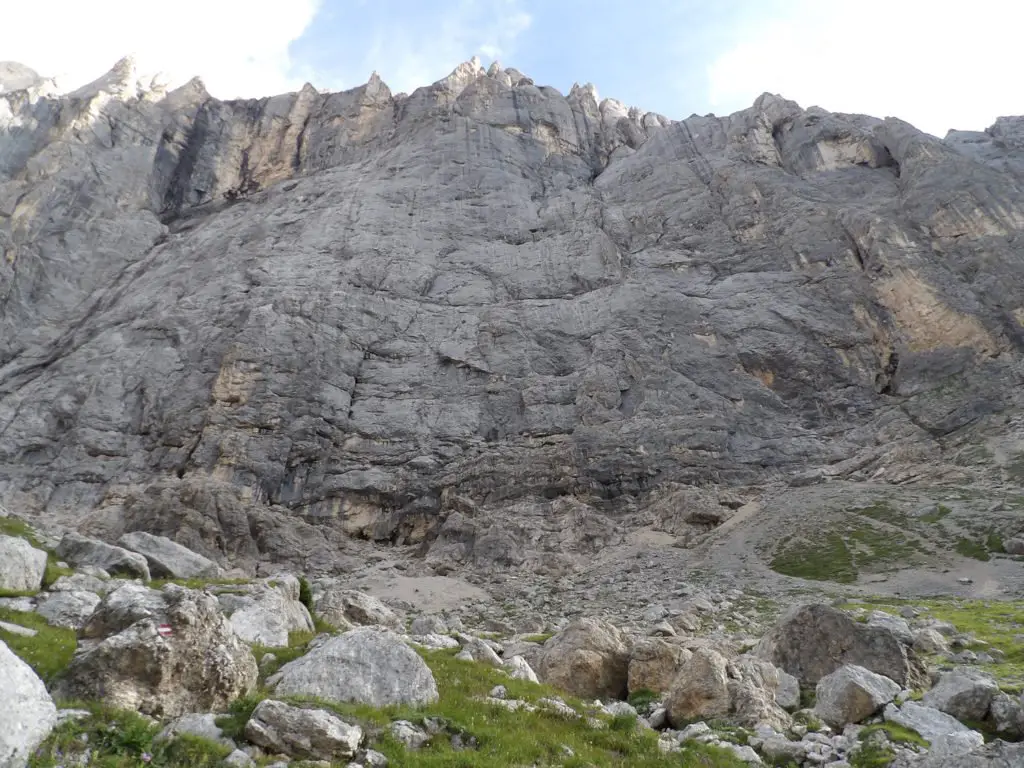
pixel 147 653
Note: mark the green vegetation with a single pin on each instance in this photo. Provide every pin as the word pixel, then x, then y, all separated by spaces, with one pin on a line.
pixel 48 652
pixel 972 549
pixel 872 754
pixel 824 560
pixel 116 739
pixel 643 699
pixel 936 515
pixel 502 737
pixel 540 638
pixel 306 594
pixel 896 734
pixel 994 624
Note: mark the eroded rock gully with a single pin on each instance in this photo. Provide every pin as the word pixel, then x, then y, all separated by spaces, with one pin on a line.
pixel 488 321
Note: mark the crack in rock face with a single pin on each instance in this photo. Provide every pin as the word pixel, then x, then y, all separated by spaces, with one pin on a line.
pixel 282 330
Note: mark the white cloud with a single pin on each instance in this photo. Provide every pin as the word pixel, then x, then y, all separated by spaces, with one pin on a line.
pixel 936 65
pixel 238 47
pixel 408 57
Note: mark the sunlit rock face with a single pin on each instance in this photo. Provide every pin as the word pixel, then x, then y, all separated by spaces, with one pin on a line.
pixel 263 327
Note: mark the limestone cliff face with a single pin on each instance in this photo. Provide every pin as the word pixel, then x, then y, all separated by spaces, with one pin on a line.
pixel 317 316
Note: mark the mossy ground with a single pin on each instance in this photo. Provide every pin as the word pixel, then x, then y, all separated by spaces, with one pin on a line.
pixel 48 652
pixel 504 738
pixel 111 738
pixel 995 625
pixel 879 538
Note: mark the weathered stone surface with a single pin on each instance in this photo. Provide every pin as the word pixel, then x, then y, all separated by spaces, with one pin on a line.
pixel 484 285
pixel 929 722
pixel 1006 716
pixel 340 607
pixel 787 695
pixel 851 694
pixel 519 668
pixel 365 665
pixel 812 641
pixel 996 754
pixel 654 663
pixel 428 625
pixel 201 665
pixel 475 649
pixel 306 733
pixel 589 658
pixel 28 713
pixel 895 624
pixel 266 611
pixel 117 561
pixel 701 688
pixel 196 724
pixel 963 693
pixel 168 559
pixel 80 582
pixel 929 641
pixel 70 609
pixel 753 688
pixel 22 566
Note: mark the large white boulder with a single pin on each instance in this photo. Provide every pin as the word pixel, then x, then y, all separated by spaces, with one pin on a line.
pixel 27 713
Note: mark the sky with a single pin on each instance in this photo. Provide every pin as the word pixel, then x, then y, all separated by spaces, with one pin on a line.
pixel 936 64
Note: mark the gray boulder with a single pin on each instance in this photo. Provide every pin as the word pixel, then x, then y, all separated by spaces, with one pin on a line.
pixel 1006 716
pixel 81 550
pixel 367 665
pixel 408 735
pixel 203 725
pixel 267 611
pixel 167 559
pixel 82 582
pixel 589 658
pixel 122 607
pixel 851 694
pixel 304 733
pixel 179 657
pixel 895 624
pixel 963 693
pixel 22 566
pixel 475 649
pixel 343 607
pixel 787 695
pixel 995 754
pixel 929 722
pixel 812 641
pixel 428 625
pixel 68 609
pixel 28 713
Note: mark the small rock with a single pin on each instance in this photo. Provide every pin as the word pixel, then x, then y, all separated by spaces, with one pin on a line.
pixel 519 669
pixel 428 625
pixel 306 733
pixel 408 734
pixel 167 559
pixel 17 629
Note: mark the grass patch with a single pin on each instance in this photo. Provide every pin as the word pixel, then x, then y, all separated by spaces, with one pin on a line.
pixel 119 739
pixel 858 544
pixel 502 737
pixel 48 652
pixel 644 699
pixel 827 560
pixel 936 515
pixel 972 549
pixel 539 638
pixel 996 624
pixel 896 734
